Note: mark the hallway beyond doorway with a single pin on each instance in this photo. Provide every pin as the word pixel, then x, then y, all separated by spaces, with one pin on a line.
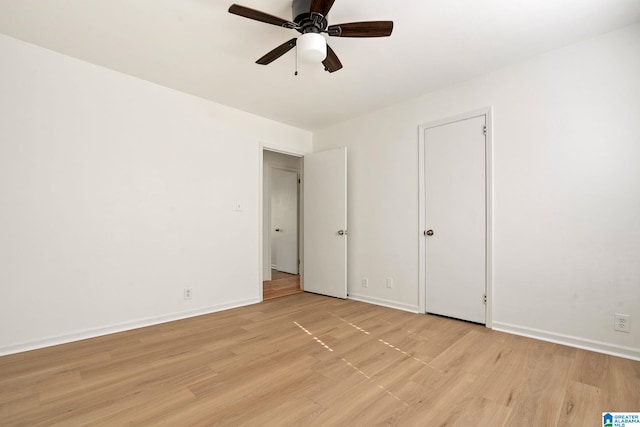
pixel 281 284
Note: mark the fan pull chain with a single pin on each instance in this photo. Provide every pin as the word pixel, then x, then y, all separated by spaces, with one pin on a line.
pixel 296 72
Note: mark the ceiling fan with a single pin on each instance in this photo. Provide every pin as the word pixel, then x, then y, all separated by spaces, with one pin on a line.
pixel 310 19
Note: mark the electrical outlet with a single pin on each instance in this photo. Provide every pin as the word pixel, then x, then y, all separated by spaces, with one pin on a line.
pixel 389 282
pixel 622 322
pixel 187 293
pixel 365 282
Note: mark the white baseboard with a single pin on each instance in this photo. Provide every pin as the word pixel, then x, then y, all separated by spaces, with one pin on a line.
pixel 571 341
pixel 120 327
pixel 384 302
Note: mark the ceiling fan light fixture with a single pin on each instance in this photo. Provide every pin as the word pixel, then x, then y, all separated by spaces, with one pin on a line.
pixel 310 20
pixel 312 47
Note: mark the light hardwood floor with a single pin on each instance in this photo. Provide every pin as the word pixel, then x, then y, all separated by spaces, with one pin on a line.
pixel 282 284
pixel 309 360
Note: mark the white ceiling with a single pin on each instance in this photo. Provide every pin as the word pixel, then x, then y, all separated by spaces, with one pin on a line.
pixel 197 47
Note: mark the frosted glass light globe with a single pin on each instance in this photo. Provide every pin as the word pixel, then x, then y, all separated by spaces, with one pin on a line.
pixel 312 47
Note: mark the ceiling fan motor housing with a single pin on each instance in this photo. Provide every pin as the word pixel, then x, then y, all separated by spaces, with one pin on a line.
pixel 307 22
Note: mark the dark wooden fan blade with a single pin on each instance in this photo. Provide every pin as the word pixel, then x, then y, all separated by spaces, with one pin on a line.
pixel 331 62
pixel 361 29
pixel 256 15
pixel 277 52
pixel 321 6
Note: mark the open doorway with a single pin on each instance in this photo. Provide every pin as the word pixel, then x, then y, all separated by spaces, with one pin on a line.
pixel 282 224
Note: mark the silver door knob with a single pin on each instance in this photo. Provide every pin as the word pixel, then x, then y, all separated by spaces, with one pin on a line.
pixel 342 232
pixel 428 233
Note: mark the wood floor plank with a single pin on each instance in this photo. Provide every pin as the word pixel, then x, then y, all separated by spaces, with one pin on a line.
pixel 478 411
pixel 623 385
pixel 448 393
pixel 582 404
pixel 310 360
pixel 547 379
pixel 507 382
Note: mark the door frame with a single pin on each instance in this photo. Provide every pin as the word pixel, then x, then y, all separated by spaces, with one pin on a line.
pixel 422 273
pixel 262 146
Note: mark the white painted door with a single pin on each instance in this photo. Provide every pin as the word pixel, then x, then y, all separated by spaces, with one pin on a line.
pixel 455 219
pixel 325 223
pixel 284 220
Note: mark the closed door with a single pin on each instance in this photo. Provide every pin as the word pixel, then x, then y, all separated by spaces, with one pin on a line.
pixel 455 219
pixel 325 223
pixel 284 220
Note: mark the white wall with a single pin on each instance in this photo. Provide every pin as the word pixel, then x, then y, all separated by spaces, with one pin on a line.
pixel 115 194
pixel 566 192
